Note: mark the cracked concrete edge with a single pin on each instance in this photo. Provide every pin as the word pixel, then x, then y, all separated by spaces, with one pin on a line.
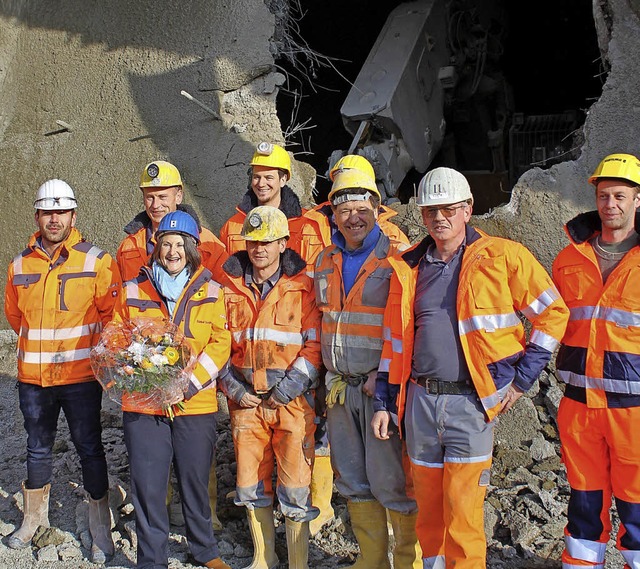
pixel 8 360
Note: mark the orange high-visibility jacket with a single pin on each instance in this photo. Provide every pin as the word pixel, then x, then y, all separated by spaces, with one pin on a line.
pixel 275 341
pixel 58 307
pixel 200 314
pixel 499 281
pixel 135 249
pixel 320 228
pixel 600 351
pixel 351 336
pixel 231 231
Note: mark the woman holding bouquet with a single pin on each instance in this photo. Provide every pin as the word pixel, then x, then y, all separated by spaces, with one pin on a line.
pixel 176 287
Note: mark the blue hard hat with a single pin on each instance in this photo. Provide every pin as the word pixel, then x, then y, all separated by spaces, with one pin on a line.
pixel 179 222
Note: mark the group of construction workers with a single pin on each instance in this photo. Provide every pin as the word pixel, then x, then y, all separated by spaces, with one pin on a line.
pixel 346 355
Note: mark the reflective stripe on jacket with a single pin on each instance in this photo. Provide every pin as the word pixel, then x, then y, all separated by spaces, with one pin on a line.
pixel 600 351
pixel 499 281
pixel 200 314
pixel 134 252
pixel 316 232
pixel 58 306
pixel 351 336
pixel 275 341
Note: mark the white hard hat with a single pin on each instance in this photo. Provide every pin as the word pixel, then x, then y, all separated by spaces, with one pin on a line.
pixel 55 194
pixel 443 186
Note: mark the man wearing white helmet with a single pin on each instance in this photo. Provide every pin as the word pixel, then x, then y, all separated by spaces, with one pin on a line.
pixel 60 292
pixel 455 355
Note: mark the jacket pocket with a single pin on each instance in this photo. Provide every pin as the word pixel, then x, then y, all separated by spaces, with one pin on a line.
pixel 376 288
pixel 76 291
pixel 572 283
pixel 25 279
pixel 237 316
pixel 289 311
pixel 489 285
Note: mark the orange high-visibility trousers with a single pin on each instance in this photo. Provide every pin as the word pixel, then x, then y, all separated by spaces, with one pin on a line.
pixel 450 524
pixel 261 435
pixel 449 443
pixel 602 456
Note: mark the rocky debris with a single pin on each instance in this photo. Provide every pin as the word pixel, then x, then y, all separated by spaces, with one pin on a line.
pixel 524 512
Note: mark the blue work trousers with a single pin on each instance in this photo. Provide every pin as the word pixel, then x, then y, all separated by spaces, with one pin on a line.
pixel 81 403
pixel 153 444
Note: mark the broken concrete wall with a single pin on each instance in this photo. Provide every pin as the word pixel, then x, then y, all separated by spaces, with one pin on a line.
pixel 114 72
pixel 543 200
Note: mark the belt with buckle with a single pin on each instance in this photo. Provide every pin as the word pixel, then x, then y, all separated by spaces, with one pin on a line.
pixel 354 379
pixel 438 387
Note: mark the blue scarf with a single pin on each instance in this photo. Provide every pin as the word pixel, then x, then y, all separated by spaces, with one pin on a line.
pixel 170 287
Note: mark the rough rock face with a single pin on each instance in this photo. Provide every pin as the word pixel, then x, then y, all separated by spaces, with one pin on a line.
pixel 114 74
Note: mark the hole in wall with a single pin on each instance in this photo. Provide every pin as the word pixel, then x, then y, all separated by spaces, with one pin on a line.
pixel 524 79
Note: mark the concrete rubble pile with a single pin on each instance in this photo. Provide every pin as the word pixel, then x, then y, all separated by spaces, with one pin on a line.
pixel 524 511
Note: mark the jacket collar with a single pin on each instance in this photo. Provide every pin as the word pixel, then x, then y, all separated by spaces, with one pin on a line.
pixel 412 256
pixel 142 220
pixel 585 225
pixel 74 238
pixel 291 263
pixel 289 202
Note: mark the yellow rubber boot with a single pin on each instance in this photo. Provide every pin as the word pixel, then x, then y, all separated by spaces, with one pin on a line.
pixel 213 497
pixel 406 551
pixel 35 514
pixel 321 492
pixel 263 534
pixel 369 524
pixel 297 543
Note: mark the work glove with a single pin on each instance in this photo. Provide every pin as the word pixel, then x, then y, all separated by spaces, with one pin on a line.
pixel 337 393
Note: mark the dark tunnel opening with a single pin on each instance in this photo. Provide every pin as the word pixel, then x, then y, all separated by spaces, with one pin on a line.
pixel 525 79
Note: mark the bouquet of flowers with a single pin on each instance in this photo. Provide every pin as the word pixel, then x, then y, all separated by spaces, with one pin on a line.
pixel 146 360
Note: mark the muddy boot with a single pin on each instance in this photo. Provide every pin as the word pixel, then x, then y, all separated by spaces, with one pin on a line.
pixel 263 534
pixel 321 492
pixel 369 524
pixel 35 514
pixel 406 551
pixel 297 543
pixel 216 524
pixel 102 548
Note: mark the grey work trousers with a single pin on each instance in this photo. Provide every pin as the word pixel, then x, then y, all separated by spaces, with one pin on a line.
pixel 366 468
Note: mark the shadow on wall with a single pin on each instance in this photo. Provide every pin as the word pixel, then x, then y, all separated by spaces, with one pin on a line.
pixel 194 141
pixel 115 71
pixel 209 45
pixel 159 24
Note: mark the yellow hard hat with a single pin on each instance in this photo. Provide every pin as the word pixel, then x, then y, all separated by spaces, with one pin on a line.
pixel 160 174
pixel 272 156
pixel 352 162
pixel 265 223
pixel 353 180
pixel 621 166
